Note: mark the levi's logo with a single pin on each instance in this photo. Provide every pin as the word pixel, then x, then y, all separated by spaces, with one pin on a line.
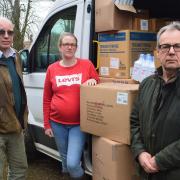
pixel 68 80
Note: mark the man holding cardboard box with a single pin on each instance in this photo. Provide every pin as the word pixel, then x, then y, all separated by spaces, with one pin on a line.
pixel 155 118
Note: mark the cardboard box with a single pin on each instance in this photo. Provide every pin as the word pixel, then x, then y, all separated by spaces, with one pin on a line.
pixel 118 51
pixel 156 60
pixel 115 80
pixel 105 110
pixel 141 24
pixel 156 24
pixel 112 160
pixel 110 16
pixel 141 20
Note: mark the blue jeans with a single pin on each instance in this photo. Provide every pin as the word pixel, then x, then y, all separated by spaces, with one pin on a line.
pixel 70 142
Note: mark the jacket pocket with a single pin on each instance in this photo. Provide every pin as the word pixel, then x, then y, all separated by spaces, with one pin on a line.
pixel 8 121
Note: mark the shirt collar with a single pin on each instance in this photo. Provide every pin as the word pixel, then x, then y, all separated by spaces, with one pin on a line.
pixel 10 52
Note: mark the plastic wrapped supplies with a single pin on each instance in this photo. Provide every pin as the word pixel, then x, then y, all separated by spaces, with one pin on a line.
pixel 143 67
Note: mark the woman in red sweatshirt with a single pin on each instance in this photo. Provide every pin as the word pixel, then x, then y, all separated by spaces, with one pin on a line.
pixel 61 103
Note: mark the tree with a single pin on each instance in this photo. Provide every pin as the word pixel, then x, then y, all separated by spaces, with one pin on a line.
pixel 21 13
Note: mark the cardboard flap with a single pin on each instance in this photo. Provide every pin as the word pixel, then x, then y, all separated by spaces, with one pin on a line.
pixel 125 7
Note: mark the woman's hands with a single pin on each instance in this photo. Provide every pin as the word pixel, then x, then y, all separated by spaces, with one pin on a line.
pixel 49 132
pixel 90 82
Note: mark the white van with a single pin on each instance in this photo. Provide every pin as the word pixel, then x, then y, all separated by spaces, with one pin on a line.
pixel 76 16
pixel 66 16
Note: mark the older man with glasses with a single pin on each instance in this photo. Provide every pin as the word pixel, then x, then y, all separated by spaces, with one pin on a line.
pixel 155 118
pixel 13 107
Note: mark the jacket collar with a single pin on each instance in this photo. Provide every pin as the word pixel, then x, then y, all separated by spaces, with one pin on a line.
pixel 178 83
pixel 176 79
pixel 159 73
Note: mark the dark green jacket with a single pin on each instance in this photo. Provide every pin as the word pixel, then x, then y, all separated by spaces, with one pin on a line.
pixel 9 123
pixel 155 125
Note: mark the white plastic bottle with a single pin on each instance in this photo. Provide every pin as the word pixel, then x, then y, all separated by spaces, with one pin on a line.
pixel 137 68
pixel 148 58
pixel 148 67
pixel 144 68
pixel 152 67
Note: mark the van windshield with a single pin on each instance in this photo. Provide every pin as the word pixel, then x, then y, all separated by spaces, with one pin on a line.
pixel 46 47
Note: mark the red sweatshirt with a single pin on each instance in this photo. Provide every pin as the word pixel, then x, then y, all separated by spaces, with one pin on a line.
pixel 61 98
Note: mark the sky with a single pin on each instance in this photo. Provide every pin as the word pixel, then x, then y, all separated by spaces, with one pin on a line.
pixel 41 9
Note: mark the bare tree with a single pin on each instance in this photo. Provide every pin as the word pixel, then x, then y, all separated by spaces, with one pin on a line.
pixel 22 15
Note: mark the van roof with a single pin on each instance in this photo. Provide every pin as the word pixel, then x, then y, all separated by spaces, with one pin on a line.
pixel 59 3
pixel 160 8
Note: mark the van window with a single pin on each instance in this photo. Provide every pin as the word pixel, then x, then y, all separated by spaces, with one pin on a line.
pixel 46 48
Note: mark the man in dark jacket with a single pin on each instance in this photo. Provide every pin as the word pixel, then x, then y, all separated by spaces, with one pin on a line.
pixel 155 118
pixel 13 107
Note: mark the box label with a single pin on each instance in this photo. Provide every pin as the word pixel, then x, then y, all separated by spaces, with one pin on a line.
pixel 144 25
pixel 122 98
pixel 121 36
pixel 104 71
pixel 95 111
pixel 114 63
pixel 142 36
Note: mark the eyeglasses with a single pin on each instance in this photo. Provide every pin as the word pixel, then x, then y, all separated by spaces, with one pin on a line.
pixel 69 45
pixel 164 48
pixel 3 32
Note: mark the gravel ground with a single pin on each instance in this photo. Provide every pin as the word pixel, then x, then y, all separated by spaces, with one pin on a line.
pixel 46 168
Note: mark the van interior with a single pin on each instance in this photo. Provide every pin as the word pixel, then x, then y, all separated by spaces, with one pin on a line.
pixel 160 8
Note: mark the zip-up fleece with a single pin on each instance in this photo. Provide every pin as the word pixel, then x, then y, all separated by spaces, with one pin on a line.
pixel 155 125
pixel 9 123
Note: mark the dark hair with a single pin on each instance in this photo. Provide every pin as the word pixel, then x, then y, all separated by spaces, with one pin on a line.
pixel 64 35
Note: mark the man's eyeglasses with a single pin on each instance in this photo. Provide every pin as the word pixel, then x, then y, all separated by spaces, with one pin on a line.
pixel 3 32
pixel 69 44
pixel 166 47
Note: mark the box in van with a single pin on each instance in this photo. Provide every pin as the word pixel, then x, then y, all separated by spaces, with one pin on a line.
pixel 118 51
pixel 110 16
pixel 116 80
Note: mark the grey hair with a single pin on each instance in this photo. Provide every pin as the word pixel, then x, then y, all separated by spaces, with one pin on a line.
pixel 4 19
pixel 172 26
pixel 66 34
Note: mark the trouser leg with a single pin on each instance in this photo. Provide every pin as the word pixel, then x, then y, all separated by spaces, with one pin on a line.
pixel 61 137
pixel 16 156
pixel 76 143
pixel 3 162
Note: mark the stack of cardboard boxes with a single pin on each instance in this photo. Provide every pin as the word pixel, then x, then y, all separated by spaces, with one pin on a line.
pixel 106 107
pixel 105 110
pixel 123 34
pixel 118 51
